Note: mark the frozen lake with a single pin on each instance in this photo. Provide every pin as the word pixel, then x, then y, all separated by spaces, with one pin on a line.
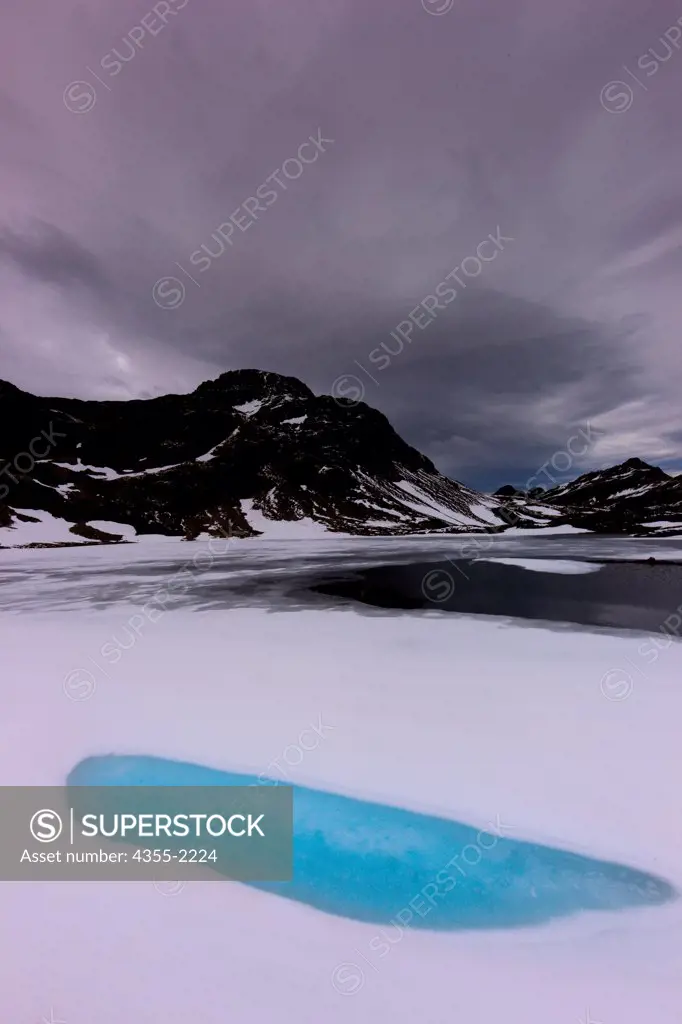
pixel 624 595
pixel 564 735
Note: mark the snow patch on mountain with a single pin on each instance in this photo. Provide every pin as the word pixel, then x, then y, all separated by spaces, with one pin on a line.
pixel 42 529
pixel 209 455
pixel 249 408
pixel 629 491
pixel 485 513
pixel 79 467
pixel 271 529
pixel 116 529
pixel 429 506
pixel 544 510
pixel 106 473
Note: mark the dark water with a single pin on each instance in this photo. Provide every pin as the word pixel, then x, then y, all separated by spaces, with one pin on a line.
pixel 630 595
pixel 634 595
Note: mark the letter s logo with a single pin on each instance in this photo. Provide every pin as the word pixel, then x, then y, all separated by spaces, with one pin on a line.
pixel 46 826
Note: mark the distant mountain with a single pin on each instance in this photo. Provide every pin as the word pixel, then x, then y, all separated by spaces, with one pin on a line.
pixel 243 453
pixel 632 497
pixel 606 486
pixel 508 491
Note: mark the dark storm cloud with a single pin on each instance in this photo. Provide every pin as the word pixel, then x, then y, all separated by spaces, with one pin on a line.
pixel 140 131
pixel 49 255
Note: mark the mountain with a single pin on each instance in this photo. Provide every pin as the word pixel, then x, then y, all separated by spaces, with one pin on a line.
pixel 244 452
pixel 509 491
pixel 632 497
pixel 256 453
pixel 606 486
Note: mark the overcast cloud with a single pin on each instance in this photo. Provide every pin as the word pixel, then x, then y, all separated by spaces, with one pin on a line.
pixel 445 123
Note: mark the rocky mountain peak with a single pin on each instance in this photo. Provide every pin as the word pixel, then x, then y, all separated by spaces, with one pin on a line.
pixel 251 385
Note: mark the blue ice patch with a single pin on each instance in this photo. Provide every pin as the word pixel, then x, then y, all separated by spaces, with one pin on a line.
pixel 382 864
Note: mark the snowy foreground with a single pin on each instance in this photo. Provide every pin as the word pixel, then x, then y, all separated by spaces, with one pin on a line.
pixel 563 736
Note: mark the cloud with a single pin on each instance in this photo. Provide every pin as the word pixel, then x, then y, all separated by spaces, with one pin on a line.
pixel 47 254
pixel 445 129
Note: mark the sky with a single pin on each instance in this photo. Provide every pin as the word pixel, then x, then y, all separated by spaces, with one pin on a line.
pixel 342 161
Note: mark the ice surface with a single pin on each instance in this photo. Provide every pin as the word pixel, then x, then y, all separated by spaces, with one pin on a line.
pixel 554 565
pixel 569 738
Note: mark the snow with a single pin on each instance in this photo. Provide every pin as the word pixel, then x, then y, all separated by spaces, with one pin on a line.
pixel 49 530
pixel 523 729
pixel 80 467
pixel 52 530
pixel 119 529
pixel 545 509
pixel 553 565
pixel 272 528
pixel 428 506
pixel 296 420
pixel 380 508
pixel 385 524
pixel 548 530
pixel 485 513
pixel 61 488
pixel 249 408
pixel 209 455
pixel 631 491
pixel 148 472
pixel 108 473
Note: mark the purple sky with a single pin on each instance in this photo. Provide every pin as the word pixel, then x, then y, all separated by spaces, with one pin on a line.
pixel 446 127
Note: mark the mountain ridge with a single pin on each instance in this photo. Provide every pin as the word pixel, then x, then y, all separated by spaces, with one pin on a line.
pixel 630 496
pixel 244 452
